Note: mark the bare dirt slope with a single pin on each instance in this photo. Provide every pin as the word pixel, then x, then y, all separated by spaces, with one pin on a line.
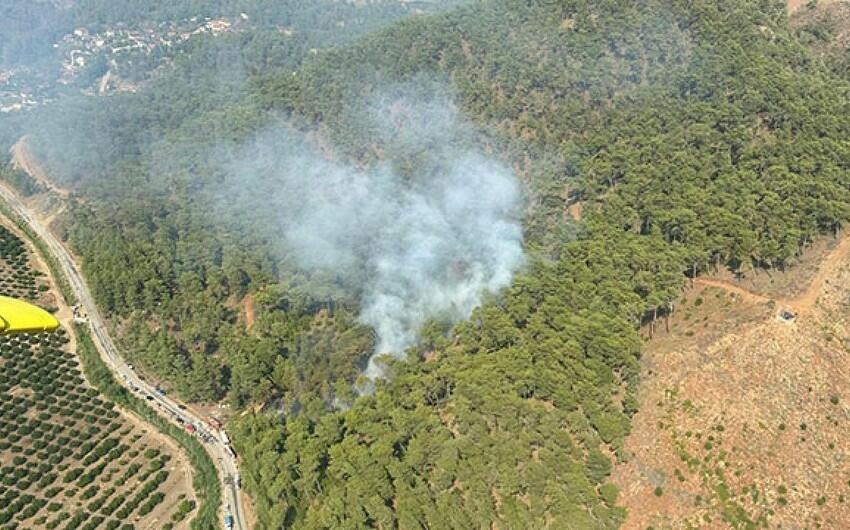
pixel 23 160
pixel 744 416
pixel 796 5
pixel 822 27
pixel 250 315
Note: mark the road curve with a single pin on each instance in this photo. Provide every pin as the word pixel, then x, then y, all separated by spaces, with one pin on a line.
pixel 218 450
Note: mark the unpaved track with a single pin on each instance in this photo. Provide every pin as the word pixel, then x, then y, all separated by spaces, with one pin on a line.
pixel 778 391
pixel 803 303
pixel 744 294
pixel 839 256
pixel 250 314
pixel 125 375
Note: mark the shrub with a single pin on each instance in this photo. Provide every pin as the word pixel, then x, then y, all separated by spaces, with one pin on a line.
pixel 52 492
pixel 113 505
pixel 152 502
pixel 89 493
pixel 72 475
pixel 183 509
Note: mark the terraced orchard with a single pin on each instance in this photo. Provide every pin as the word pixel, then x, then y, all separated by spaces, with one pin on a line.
pixel 17 277
pixel 68 458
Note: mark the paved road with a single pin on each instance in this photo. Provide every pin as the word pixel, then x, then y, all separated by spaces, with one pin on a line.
pixel 220 452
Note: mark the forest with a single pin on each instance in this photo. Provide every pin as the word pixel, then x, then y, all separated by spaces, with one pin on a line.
pixel 690 135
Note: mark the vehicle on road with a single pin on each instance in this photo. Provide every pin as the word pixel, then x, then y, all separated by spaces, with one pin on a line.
pixel 112 357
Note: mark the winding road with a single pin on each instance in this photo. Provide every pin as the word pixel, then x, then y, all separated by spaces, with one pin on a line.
pixel 217 447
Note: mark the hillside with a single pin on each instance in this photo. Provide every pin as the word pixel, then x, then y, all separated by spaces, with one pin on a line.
pixel 744 410
pixel 692 137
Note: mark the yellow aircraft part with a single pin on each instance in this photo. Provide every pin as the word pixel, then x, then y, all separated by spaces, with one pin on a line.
pixel 17 316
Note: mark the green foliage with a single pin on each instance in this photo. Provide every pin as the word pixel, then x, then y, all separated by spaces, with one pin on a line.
pixel 22 182
pixel 694 135
pixel 205 479
pixel 48 367
pixel 61 281
pixel 42 383
pixel 689 148
pixel 29 30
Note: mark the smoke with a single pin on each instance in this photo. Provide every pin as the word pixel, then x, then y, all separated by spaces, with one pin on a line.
pixel 423 234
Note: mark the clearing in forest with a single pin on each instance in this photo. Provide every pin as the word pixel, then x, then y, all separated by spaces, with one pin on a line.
pixel 248 305
pixel 743 415
pixel 795 5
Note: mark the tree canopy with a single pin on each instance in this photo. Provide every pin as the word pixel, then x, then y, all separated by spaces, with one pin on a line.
pixel 693 135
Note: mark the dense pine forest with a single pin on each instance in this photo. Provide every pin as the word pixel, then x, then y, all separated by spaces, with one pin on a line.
pixel 654 141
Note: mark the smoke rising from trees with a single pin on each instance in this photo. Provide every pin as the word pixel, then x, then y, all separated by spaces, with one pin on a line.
pixel 423 234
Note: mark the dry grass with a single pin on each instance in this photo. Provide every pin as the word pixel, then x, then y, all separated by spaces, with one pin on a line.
pixel 795 6
pixel 743 416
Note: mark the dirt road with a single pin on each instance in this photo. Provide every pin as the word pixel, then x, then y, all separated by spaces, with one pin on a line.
pixel 806 301
pixel 742 416
pixel 744 294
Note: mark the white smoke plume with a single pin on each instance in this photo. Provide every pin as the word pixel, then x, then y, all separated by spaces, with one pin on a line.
pixel 424 241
